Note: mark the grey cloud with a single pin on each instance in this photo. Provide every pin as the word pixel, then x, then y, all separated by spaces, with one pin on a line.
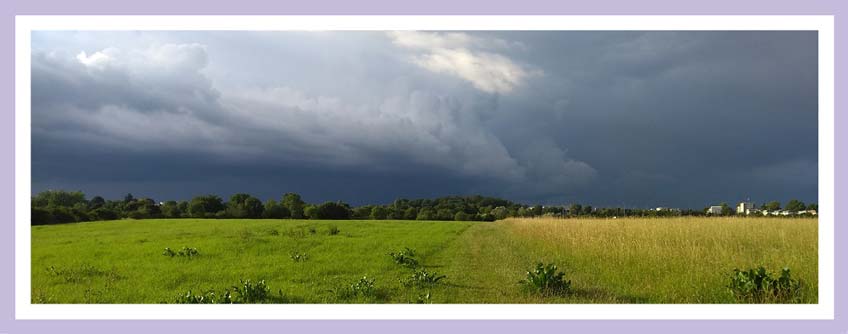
pixel 633 118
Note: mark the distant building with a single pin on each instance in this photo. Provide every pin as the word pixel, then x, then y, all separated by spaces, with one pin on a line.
pixel 714 210
pixel 746 208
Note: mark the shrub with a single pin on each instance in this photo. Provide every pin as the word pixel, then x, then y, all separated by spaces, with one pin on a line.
pixel 249 292
pixel 41 217
pixel 363 287
pixel 333 230
pixel 423 299
pixel 296 233
pixel 759 286
pixel 545 279
pixel 422 278
pixel 298 257
pixel 405 257
pixel 208 298
pixel 185 252
pixel 245 292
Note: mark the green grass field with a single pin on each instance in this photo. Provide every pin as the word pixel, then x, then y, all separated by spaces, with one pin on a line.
pixel 668 260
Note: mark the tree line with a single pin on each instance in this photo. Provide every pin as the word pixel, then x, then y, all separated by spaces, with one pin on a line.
pixel 58 207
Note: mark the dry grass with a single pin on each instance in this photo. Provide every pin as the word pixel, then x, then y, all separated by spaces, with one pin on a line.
pixel 663 260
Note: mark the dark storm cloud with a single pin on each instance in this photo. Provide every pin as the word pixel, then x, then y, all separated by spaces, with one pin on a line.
pixel 608 118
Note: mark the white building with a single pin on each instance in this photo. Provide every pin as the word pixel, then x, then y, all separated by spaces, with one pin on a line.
pixel 746 208
pixel 714 210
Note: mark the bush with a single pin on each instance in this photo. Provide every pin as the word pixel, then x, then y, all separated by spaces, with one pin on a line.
pixel 244 293
pixel 208 298
pixel 136 215
pixel 422 278
pixel 363 287
pixel 41 217
pixel 185 252
pixel 545 279
pixel 104 214
pixel 62 215
pixel 298 257
pixel 249 292
pixel 333 230
pixel 759 286
pixel 405 257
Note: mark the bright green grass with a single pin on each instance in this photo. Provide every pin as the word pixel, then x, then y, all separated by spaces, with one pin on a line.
pixel 625 261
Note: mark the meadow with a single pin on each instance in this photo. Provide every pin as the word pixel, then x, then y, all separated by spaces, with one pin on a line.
pixel 631 260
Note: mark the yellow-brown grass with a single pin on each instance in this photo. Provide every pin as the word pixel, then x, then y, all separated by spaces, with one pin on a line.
pixel 672 260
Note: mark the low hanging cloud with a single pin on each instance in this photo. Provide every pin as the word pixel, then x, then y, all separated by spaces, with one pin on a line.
pixel 159 98
pixel 464 56
pixel 613 118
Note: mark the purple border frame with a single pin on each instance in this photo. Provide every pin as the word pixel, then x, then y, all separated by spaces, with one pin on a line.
pixel 8 324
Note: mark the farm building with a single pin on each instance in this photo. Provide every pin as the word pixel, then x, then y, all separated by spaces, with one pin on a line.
pixel 714 210
pixel 746 208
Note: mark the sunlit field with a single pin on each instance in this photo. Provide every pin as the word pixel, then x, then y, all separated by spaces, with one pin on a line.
pixel 633 260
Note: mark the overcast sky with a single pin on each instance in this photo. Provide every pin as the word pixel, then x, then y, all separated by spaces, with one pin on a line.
pixel 639 119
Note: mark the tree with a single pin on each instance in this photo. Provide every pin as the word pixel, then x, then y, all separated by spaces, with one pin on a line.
pixel 331 210
pixel 104 214
pixel 444 214
pixel 295 204
pixel 410 214
pixel 129 198
pixel 59 198
pixel 461 217
pixel 725 209
pixel 362 212
pixel 426 214
pixel 500 213
pixel 205 206
pixel 41 216
pixel 813 206
pixel 772 206
pixel 575 209
pixel 587 210
pixel 522 212
pixel 274 210
pixel 170 210
pixel 244 206
pixel 795 206
pixel 96 202
pixel 379 213
pixel 309 212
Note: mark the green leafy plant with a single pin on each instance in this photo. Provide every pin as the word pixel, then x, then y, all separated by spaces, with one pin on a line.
pixel 363 287
pixel 547 280
pixel 207 298
pixel 422 277
pixel 169 252
pixel 184 252
pixel 333 230
pixel 246 292
pixel 296 233
pixel 249 292
pixel 298 257
pixel 423 299
pixel 405 257
pixel 760 286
